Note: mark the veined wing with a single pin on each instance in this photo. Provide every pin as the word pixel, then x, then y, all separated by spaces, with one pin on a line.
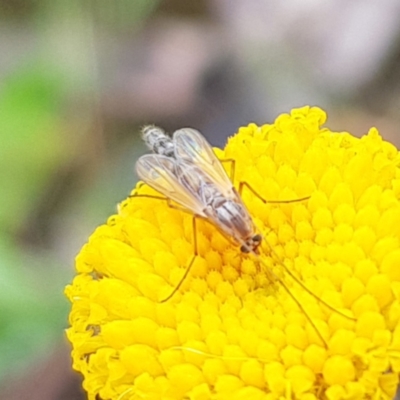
pixel 159 172
pixel 193 148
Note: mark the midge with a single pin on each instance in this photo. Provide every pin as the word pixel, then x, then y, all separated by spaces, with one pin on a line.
pixel 185 169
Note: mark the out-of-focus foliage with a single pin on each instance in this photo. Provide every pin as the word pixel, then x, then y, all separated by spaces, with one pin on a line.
pixel 33 146
pixel 33 142
pixel 32 312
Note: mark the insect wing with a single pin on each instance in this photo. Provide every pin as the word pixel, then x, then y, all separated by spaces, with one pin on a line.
pixel 192 147
pixel 159 172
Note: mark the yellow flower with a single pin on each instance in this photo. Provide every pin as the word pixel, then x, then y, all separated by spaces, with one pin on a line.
pixel 233 331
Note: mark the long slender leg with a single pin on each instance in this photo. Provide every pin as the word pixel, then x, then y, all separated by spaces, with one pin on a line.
pixel 162 198
pixel 195 254
pixel 189 267
pixel 149 196
pixel 293 297
pixel 245 184
pixel 233 164
pixel 289 272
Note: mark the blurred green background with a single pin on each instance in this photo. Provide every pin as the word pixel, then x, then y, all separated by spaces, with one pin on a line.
pixel 79 79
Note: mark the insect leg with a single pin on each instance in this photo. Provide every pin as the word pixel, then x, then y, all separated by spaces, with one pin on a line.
pixel 245 184
pixel 189 267
pixel 232 169
pixel 195 254
pixel 294 277
pixel 288 291
pixel 162 198
pixel 149 196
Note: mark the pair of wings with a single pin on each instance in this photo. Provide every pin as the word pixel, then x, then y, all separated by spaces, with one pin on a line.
pixel 192 152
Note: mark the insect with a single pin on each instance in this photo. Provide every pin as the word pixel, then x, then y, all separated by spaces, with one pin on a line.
pixel 185 170
pixel 158 141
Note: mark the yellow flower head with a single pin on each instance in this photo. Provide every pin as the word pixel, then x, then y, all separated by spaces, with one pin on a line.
pixel 314 316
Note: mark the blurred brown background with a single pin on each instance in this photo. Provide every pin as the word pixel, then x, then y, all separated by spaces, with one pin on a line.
pixel 78 80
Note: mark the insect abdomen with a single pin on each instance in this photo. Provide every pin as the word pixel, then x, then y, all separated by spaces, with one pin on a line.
pixel 158 141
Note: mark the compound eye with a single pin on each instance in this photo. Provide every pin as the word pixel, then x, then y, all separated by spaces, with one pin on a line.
pixel 257 238
pixel 244 249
